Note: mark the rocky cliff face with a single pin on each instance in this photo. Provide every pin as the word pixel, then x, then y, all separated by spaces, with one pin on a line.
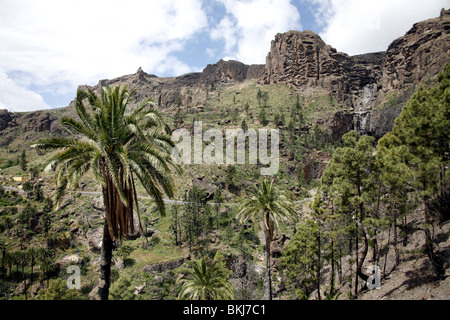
pixel 186 89
pixel 372 87
pixel 409 61
pixel 305 61
pixel 5 118
pixel 420 54
pixel 37 121
pixel 228 72
pixel 375 85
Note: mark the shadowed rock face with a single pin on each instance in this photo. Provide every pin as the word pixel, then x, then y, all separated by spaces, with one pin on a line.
pixel 37 121
pixel 5 118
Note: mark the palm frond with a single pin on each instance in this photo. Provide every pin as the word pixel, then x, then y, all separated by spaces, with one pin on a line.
pixel 118 147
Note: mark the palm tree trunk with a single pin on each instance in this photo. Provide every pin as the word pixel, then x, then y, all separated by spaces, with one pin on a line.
pixel 105 263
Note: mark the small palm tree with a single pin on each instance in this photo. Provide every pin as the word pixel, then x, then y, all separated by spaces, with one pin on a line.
pixel 46 258
pixel 204 282
pixel 119 145
pixel 8 258
pixel 123 252
pixel 270 205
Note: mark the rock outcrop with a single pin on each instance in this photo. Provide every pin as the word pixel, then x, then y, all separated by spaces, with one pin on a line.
pixel 341 123
pixel 228 72
pixel 419 55
pixel 37 121
pixel 375 85
pixel 303 60
pixel 94 238
pixel 186 89
pixel 410 60
pixel 315 165
pixel 5 118
pixel 164 266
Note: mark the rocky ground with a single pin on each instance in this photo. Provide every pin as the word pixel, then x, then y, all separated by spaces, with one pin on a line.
pixel 414 278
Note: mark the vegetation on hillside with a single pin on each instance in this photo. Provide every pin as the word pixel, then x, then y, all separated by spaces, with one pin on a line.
pixel 360 212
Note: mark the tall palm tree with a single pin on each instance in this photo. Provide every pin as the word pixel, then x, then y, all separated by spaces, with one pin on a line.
pixel 32 254
pixel 118 145
pixel 270 205
pixel 46 257
pixel 203 282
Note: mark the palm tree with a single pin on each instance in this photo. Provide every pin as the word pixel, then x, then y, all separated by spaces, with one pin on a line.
pixel 270 205
pixel 118 145
pixel 3 248
pixel 46 258
pixel 32 254
pixel 205 283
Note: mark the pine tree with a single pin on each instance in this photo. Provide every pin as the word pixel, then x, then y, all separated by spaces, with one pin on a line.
pixel 302 259
pixel 349 173
pixel 420 138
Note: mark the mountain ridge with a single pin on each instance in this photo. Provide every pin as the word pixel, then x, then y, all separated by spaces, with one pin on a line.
pixel 372 86
pixel 316 96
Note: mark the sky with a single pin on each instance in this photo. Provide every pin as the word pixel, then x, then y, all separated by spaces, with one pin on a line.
pixel 49 47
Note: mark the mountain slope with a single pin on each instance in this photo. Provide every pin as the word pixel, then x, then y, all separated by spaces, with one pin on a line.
pixel 334 93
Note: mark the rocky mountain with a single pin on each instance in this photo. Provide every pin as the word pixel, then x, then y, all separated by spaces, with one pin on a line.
pixel 371 88
pixel 304 60
pixel 373 85
pixel 337 93
pixel 186 89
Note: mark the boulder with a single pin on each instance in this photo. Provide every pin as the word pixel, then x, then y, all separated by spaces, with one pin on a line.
pixel 35 288
pixel 97 203
pixel 119 264
pixel 159 279
pixel 164 266
pixel 151 232
pixel 20 288
pixel 93 295
pixel 66 261
pixel 94 237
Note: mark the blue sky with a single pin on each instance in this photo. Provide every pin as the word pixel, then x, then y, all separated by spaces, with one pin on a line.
pixel 49 47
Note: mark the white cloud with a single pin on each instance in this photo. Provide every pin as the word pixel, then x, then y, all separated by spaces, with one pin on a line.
pixel 17 98
pixel 355 26
pixel 60 44
pixel 250 25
